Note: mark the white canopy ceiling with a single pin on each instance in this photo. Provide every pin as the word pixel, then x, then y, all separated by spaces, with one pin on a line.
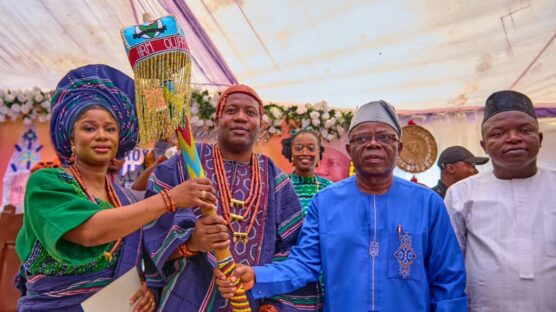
pixel 435 54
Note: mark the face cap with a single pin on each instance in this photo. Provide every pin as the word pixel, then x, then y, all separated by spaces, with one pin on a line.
pixel 453 154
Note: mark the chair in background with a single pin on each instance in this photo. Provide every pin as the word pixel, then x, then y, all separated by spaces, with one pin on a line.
pixel 10 223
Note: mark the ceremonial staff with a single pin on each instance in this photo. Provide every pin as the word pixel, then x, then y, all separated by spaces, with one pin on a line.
pixel 161 62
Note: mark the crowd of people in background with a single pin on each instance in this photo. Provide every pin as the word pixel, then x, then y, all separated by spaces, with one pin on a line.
pixel 371 242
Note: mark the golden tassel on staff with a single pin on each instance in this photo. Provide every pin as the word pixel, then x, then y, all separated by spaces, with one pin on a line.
pixel 161 61
pixel 163 91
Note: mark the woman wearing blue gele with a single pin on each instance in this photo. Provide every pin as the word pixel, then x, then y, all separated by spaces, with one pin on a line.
pixel 80 232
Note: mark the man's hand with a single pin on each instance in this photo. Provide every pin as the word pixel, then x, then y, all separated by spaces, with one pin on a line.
pixel 210 233
pixel 245 274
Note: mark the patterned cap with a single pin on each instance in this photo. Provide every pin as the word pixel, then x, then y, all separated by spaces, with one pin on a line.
pixel 87 86
pixel 376 111
pixel 508 100
pixel 237 89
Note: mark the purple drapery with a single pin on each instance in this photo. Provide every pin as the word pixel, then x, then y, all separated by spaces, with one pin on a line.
pixel 545 112
pixel 206 58
pixel 542 112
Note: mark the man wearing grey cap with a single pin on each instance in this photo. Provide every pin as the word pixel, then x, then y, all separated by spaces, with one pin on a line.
pixel 505 220
pixel 456 163
pixel 382 243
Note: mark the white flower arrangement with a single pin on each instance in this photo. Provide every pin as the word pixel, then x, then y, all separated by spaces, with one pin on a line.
pixel 34 104
pixel 27 105
pixel 273 121
pixel 314 115
pixel 203 111
pixel 315 122
pixel 276 112
pixel 301 109
pixel 329 123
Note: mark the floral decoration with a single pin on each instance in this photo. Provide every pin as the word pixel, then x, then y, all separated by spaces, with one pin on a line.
pixel 331 123
pixel 27 105
pixel 273 118
pixel 203 109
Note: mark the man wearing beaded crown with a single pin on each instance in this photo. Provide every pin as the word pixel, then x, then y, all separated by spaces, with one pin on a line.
pixel 259 215
pixel 382 243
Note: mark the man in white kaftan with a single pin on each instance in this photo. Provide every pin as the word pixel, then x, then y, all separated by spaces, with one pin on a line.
pixel 505 220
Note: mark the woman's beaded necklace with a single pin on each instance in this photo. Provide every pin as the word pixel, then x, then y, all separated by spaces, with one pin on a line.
pixel 252 203
pixel 112 197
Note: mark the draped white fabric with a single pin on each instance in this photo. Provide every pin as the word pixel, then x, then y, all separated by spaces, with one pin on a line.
pixel 418 55
pixel 442 55
pixel 415 54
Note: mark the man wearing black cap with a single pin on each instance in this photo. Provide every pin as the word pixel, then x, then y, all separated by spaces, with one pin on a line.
pixel 456 163
pixel 505 220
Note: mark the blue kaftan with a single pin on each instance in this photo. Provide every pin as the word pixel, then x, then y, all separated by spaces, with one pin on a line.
pixel 391 252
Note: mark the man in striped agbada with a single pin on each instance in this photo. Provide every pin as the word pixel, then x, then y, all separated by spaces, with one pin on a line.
pixel 259 215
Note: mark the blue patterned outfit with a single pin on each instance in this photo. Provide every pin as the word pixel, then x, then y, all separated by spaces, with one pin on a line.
pixel 57 275
pixel 391 252
pixel 188 284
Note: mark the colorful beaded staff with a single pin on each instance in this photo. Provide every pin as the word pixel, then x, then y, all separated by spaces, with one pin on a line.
pixel 239 301
pixel 161 62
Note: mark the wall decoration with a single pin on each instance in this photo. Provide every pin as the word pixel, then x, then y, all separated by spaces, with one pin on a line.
pixel 419 149
pixel 26 154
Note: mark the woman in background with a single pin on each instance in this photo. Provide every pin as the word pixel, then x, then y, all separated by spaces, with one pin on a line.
pixel 304 150
pixel 79 231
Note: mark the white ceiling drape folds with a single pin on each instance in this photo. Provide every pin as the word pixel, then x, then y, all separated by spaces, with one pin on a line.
pixel 418 55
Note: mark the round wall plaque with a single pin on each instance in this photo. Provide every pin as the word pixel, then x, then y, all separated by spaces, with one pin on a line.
pixel 419 149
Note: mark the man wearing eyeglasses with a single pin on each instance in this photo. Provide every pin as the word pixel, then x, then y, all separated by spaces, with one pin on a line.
pixel 383 243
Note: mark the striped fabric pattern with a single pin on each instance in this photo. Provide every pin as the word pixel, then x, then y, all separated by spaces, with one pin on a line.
pixel 189 285
pixel 307 187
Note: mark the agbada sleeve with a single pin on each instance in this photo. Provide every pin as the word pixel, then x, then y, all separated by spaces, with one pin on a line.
pixel 55 205
pixel 300 268
pixel 455 209
pixel 291 215
pixel 165 234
